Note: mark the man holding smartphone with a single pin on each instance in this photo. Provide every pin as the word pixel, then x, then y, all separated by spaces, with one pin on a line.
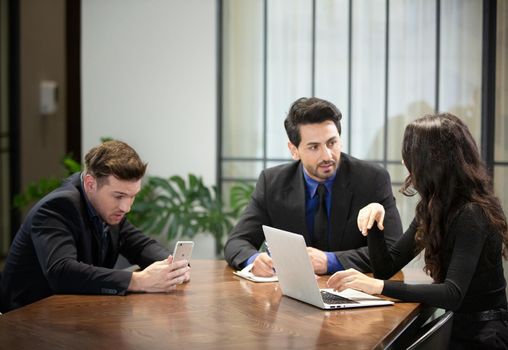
pixel 70 240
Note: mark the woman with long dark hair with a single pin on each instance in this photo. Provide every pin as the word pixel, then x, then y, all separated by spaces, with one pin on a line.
pixel 460 224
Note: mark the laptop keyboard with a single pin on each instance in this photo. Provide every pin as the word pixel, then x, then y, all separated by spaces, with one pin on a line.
pixel 330 298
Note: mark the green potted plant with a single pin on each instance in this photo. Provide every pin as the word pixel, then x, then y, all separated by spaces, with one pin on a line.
pixel 176 208
pixel 36 190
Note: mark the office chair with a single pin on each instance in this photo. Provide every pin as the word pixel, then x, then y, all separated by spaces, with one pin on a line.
pixel 435 335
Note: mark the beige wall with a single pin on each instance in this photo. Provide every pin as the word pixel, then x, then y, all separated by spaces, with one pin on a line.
pixel 42 57
pixel 149 79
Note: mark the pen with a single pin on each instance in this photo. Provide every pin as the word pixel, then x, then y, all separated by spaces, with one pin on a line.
pixel 267 249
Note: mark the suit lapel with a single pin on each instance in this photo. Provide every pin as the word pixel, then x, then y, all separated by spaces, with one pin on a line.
pixel 341 203
pixel 294 197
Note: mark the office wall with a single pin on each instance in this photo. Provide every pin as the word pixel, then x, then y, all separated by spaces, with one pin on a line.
pixel 149 79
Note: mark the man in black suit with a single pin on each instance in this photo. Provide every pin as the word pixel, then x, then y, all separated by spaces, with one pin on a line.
pixel 287 197
pixel 71 239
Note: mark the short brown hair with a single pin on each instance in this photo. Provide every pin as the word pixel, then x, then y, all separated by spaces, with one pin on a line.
pixel 114 158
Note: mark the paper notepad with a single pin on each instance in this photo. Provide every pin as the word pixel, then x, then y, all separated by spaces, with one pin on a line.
pixel 247 274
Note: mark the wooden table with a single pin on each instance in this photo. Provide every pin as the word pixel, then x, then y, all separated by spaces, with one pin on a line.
pixel 215 310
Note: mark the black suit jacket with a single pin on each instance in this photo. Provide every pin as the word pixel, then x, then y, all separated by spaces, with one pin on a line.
pixel 279 201
pixel 56 251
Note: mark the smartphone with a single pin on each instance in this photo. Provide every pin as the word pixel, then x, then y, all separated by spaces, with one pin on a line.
pixel 183 250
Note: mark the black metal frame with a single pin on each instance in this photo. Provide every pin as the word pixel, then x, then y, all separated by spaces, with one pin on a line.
pixel 438 53
pixel 387 78
pixel 73 72
pixel 488 117
pixel 14 110
pixel 220 86
pixel 350 70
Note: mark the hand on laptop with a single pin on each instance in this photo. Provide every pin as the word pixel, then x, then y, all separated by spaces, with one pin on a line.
pixel 355 280
pixel 263 266
pixel 319 260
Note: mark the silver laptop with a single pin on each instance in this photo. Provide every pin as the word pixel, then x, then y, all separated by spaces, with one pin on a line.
pixel 297 279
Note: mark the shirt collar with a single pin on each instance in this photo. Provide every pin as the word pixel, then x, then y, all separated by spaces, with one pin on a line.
pixel 91 209
pixel 312 184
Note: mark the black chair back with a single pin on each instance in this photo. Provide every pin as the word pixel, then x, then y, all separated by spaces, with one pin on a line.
pixel 435 335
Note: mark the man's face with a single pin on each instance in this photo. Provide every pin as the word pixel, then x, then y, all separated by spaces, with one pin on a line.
pixel 112 198
pixel 319 149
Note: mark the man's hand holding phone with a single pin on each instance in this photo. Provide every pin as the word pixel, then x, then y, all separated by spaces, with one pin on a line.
pixel 161 276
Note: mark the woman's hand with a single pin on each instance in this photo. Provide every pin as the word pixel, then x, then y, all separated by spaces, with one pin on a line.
pixel 355 280
pixel 368 215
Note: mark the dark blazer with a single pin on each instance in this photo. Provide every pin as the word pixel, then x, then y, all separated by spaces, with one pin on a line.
pixel 56 251
pixel 279 201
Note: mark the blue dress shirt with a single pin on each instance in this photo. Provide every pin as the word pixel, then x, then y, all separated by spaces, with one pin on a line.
pixel 311 203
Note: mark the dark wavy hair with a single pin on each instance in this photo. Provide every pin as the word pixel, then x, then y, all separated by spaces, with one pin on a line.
pixel 309 110
pixel 114 158
pixel 446 170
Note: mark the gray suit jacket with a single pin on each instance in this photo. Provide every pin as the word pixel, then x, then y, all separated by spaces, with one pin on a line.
pixel 279 201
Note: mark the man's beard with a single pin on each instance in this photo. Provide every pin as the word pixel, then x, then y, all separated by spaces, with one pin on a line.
pixel 320 175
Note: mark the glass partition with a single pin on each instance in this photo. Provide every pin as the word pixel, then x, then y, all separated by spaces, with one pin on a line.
pixel 383 63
